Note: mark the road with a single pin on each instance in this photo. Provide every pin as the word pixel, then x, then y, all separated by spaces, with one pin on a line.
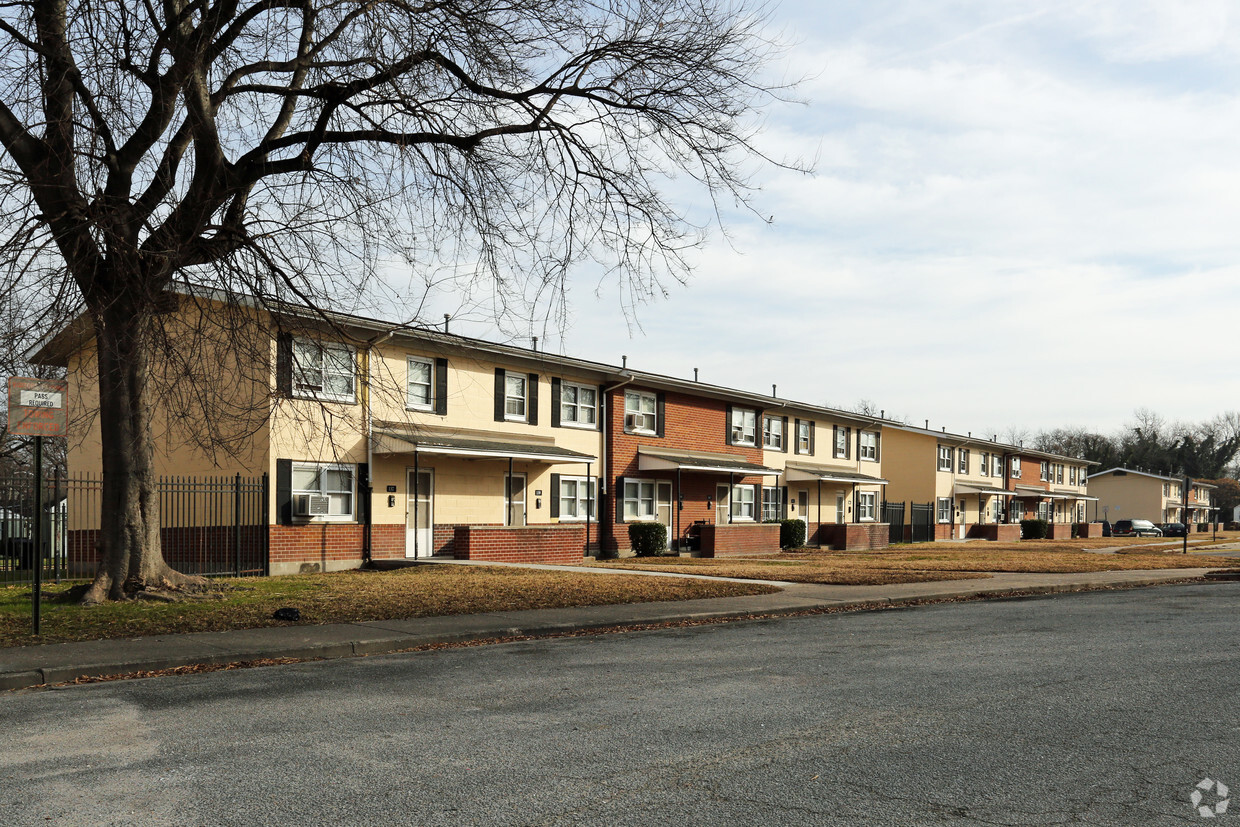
pixel 1100 708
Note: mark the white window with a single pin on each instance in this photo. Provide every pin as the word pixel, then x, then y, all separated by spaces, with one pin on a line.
pixel 1045 471
pixel 803 437
pixel 945 509
pixel 869 445
pixel 744 426
pixel 841 441
pixel 576 498
pixel 962 464
pixel 420 393
pixel 639 503
pixel 997 470
pixel 325 480
pixel 945 458
pixel 514 397
pixel 771 503
pixel 1044 511
pixel 742 502
pixel 865 506
pixel 639 412
pixel 983 464
pixel 1015 468
pixel 1059 473
pixel 1166 489
pixel 323 370
pixel 578 405
pixel 1016 511
pixel 1072 475
pixel 773 432
pixel 1080 513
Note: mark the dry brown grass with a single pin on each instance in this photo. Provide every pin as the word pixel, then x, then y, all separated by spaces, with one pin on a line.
pixel 349 596
pixel 929 561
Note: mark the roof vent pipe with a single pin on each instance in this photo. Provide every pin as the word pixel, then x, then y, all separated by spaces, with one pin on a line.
pixel 695 375
pixel 927 424
pixel 773 393
pixel 944 429
pixel 624 361
pixel 447 317
pixel 882 414
pixel 535 344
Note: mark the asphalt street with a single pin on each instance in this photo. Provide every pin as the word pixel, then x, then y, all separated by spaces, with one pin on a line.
pixel 1097 708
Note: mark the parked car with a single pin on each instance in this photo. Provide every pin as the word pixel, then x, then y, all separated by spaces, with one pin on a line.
pixel 1174 529
pixel 1135 528
pixel 1106 528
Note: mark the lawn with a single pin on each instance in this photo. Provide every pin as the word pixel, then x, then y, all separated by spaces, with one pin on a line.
pixel 343 597
pixel 929 561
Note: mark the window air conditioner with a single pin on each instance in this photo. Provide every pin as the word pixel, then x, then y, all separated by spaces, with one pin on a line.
pixel 312 505
pixel 631 421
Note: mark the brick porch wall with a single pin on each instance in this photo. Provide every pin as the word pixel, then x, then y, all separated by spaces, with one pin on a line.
pixel 1060 531
pixel 557 544
pixel 748 538
pixel 854 536
pixel 1002 532
pixel 1089 529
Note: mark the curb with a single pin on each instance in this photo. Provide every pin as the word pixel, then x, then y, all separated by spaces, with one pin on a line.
pixel 386 642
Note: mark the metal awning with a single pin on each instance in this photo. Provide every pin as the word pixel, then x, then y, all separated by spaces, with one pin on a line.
pixel 663 459
pixel 1071 495
pixel 982 490
pixel 400 442
pixel 795 472
pixel 1030 491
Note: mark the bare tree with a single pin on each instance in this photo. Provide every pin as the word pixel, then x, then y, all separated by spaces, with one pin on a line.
pixel 290 150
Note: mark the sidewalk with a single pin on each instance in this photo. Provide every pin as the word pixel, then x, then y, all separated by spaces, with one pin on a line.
pixel 28 666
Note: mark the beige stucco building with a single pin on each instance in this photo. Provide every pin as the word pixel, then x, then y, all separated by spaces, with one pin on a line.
pixel 1129 494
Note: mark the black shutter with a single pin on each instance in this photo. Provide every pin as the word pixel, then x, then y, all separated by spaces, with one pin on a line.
pixel 284 492
pixel 835 440
pixel 660 412
pixel 284 363
pixel 601 411
pixel 441 387
pixel 727 426
pixel 532 404
pixel 617 498
pixel 784 442
pixel 783 506
pixel 878 442
pixel 499 394
pixel 811 437
pixel 362 513
pixel 555 495
pixel 555 403
pixel 848 443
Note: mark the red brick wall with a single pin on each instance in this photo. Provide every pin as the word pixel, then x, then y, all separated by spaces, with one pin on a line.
pixel 1060 531
pixel 1003 532
pixel 1089 529
pixel 315 545
pixel 746 538
pixel 855 536
pixel 557 544
pixel 690 423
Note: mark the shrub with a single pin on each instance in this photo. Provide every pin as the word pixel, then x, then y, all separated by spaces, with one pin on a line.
pixel 791 533
pixel 1034 529
pixel 648 539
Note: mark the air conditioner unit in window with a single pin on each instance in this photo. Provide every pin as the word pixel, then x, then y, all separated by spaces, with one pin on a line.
pixel 632 421
pixel 312 505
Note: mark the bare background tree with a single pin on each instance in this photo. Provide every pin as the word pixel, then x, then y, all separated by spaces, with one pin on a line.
pixel 289 151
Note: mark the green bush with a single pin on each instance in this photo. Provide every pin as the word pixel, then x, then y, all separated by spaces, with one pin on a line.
pixel 791 533
pixel 1034 529
pixel 648 539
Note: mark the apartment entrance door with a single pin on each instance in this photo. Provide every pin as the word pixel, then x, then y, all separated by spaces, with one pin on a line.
pixel 420 514
pixel 515 494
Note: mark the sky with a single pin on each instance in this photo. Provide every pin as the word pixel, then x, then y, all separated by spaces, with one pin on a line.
pixel 1022 215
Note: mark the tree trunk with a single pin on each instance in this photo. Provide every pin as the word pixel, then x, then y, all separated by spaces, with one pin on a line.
pixel 130 556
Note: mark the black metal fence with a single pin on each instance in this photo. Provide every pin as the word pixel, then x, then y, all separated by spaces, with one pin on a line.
pixel 893 516
pixel 921 522
pixel 212 526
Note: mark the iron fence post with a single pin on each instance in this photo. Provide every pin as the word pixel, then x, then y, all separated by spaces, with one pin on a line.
pixel 266 528
pixel 237 523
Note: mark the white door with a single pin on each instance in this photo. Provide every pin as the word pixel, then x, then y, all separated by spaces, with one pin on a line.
pixel 723 503
pixel 803 509
pixel 663 509
pixel 839 507
pixel 514 496
pixel 420 514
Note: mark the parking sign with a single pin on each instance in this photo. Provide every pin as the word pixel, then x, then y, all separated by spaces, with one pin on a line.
pixel 38 407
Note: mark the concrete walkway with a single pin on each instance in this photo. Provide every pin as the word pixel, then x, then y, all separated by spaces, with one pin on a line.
pixel 28 666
